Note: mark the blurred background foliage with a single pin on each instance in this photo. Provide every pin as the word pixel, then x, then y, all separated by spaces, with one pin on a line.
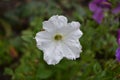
pixel 20 59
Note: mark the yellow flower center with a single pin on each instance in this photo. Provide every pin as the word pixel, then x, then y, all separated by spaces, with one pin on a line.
pixel 58 37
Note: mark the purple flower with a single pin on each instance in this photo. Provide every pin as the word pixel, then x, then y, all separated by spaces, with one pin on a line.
pixel 116 10
pixel 118 37
pixel 98 7
pixel 118 49
pixel 118 54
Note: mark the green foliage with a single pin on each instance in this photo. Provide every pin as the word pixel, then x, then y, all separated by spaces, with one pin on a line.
pixel 97 61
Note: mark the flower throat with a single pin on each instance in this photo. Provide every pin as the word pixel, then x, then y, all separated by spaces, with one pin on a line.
pixel 58 37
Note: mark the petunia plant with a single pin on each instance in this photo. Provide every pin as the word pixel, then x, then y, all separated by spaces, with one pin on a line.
pixel 50 41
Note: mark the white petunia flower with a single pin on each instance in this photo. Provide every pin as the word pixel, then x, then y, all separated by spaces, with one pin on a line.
pixel 60 39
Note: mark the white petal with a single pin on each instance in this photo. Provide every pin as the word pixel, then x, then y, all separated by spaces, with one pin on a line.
pixel 58 21
pixel 43 38
pixel 75 25
pixel 54 23
pixel 74 35
pixel 75 46
pixel 53 55
pixel 72 30
pixel 49 26
pixel 68 52
pixel 43 35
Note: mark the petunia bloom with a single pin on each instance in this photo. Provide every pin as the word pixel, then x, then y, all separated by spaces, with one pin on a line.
pixel 98 7
pixel 118 37
pixel 118 49
pixel 116 10
pixel 118 54
pixel 60 39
